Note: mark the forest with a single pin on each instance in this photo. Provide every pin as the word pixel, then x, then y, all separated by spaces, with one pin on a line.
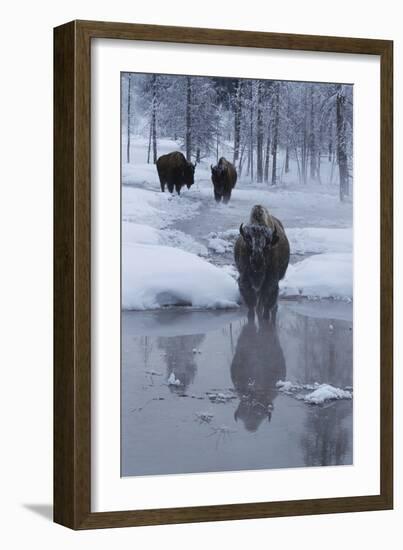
pixel 264 127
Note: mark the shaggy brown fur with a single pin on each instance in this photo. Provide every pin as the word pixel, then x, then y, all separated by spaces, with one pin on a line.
pixel 224 177
pixel 175 171
pixel 262 253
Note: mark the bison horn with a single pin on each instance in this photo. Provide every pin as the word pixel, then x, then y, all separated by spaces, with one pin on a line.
pixel 211 167
pixel 241 230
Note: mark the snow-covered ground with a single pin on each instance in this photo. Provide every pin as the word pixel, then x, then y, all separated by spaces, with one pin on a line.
pixel 154 276
pixel 314 394
pixel 170 243
pixel 323 276
pixel 162 266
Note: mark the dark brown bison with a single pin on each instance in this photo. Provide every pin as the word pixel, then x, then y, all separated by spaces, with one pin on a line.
pixel 175 172
pixel 262 253
pixel 257 366
pixel 224 177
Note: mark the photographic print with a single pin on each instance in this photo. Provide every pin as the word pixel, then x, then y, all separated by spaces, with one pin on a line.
pixel 236 274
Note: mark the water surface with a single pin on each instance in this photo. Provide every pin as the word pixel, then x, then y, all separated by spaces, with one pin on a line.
pixel 226 413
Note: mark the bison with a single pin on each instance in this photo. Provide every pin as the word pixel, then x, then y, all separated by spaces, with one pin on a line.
pixel 257 366
pixel 175 172
pixel 262 253
pixel 224 177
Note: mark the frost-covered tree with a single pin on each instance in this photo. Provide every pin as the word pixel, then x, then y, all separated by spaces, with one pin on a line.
pixel 129 116
pixel 237 120
pixel 273 131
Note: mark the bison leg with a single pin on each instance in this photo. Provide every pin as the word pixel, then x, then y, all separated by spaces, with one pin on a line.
pixel 171 186
pixel 248 294
pixel 268 302
pixel 161 178
pixel 178 188
pixel 226 198
pixel 217 197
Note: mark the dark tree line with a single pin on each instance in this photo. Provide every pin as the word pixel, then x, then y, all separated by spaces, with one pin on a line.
pixel 269 128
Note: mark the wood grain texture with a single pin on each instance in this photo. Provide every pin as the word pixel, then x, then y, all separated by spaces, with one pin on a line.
pixel 72 292
pixel 72 274
pixel 63 332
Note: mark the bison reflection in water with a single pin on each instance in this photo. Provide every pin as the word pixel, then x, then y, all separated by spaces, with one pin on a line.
pixel 257 365
pixel 180 357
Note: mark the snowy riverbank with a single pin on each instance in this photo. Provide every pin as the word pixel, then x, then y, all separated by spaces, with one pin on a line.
pixel 178 250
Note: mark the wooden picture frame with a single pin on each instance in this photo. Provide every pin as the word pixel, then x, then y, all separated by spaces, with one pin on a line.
pixel 72 271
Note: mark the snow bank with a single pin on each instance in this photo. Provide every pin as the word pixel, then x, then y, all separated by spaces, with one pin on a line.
pixel 151 207
pixel 139 233
pixel 319 240
pixel 231 270
pixel 178 239
pixel 173 381
pixel 160 266
pixel 307 240
pixel 155 276
pixel 317 394
pixel 325 392
pixel 219 246
pixel 322 276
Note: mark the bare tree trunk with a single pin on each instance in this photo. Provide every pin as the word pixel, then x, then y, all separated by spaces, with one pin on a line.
pixel 319 156
pixel 312 141
pixel 267 159
pixel 298 164
pixel 275 134
pixel 341 142
pixel 189 119
pixel 332 171
pixel 240 164
pixel 250 166
pixel 251 144
pixel 282 172
pixel 318 166
pixel 304 149
pixel 149 143
pixel 259 144
pixel 287 158
pixel 287 148
pixel 249 158
pixel 154 118
pixel 237 121
pixel 129 117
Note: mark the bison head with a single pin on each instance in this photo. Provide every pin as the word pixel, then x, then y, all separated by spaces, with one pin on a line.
pixel 188 174
pixel 259 239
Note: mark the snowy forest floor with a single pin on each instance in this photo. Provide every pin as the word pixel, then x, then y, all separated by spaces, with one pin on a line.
pixel 201 378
